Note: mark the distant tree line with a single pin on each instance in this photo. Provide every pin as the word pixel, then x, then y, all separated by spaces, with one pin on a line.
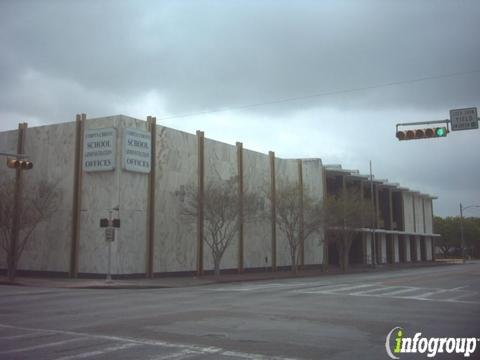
pixel 450 241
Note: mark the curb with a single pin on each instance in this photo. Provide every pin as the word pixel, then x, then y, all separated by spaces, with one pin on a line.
pixel 281 275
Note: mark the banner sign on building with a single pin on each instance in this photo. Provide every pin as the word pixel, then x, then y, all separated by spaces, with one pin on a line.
pixel 99 149
pixel 136 150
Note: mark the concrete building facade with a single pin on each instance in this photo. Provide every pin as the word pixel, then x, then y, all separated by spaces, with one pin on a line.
pixel 404 225
pixel 142 169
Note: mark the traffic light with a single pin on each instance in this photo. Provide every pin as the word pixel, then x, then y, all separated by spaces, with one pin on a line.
pixel 19 164
pixel 422 133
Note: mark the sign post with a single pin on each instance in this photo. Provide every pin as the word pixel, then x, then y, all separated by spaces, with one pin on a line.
pixel 109 238
pixel 110 224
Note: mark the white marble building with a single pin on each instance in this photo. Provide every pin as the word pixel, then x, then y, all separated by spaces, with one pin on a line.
pixel 72 241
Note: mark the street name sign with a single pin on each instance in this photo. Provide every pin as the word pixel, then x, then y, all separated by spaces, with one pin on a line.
pixel 99 149
pixel 136 150
pixel 464 119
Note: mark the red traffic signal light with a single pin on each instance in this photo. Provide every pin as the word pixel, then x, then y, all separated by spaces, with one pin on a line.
pixel 19 164
pixel 422 133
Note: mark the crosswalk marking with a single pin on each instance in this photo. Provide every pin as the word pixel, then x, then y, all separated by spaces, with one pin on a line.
pixel 98 352
pixel 117 343
pixel 457 297
pixel 403 290
pixel 271 286
pixel 409 293
pixel 430 293
pixel 184 354
pixel 327 290
pixel 373 289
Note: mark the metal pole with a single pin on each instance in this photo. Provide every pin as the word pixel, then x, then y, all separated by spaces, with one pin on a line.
pixel 374 255
pixel 461 233
pixel 109 276
pixel 18 156
pixel 17 207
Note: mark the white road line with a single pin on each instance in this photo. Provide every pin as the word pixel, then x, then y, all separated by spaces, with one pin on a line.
pixel 404 289
pixel 98 352
pixel 258 287
pixel 459 288
pixel 251 356
pixel 184 354
pixel 430 293
pixel 19 336
pixel 194 348
pixel 435 300
pixel 315 289
pixel 35 347
pixel 469 293
pixel 375 290
pixel 336 290
pixel 324 290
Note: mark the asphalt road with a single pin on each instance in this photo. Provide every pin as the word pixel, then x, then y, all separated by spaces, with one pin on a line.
pixel 329 317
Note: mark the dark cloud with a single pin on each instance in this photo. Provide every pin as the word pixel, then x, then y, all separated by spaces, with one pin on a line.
pixel 102 57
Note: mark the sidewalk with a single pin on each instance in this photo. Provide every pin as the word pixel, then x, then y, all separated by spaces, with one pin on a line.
pixel 188 281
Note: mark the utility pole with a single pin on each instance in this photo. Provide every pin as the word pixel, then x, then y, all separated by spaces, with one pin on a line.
pixel 461 233
pixel 374 255
pixel 462 208
pixel 17 210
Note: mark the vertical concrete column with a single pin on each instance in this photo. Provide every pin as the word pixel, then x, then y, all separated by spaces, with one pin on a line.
pixel 200 198
pixel 325 239
pixel 428 248
pixel 273 203
pixel 362 196
pixel 408 252
pixel 423 213
pixel 302 240
pixel 383 248
pixel 364 248
pixel 367 239
pixel 240 205
pixel 396 250
pixel 77 193
pixel 152 125
pixel 414 215
pixel 17 205
pixel 418 251
pixel 403 211
pixel 377 250
pixel 390 208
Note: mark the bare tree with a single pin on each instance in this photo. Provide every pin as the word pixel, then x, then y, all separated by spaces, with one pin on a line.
pixel 221 214
pixel 344 215
pixel 37 205
pixel 298 216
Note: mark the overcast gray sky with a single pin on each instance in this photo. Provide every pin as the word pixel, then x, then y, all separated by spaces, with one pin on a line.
pixel 364 59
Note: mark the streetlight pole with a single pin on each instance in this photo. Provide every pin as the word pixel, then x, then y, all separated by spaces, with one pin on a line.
pixel 462 208
pixel 374 255
pixel 461 233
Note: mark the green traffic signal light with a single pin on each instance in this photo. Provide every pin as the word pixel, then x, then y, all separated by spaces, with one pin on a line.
pixel 441 131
